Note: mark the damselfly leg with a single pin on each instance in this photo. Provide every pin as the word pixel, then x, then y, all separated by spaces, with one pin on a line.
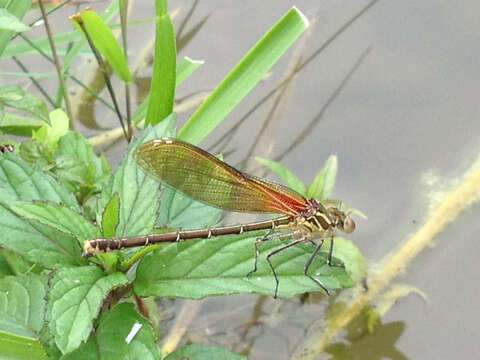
pixel 330 253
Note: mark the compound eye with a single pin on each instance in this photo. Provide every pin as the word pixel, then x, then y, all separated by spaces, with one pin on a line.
pixel 348 225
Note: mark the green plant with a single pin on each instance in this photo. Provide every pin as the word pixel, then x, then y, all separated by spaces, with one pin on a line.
pixel 56 193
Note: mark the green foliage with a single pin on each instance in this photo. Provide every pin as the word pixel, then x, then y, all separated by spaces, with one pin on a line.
pixel 323 183
pixel 244 76
pixel 56 192
pixel 8 21
pixel 163 79
pixel 15 124
pixel 104 40
pixel 117 338
pixel 18 9
pixel 14 97
pixel 74 301
pixel 195 269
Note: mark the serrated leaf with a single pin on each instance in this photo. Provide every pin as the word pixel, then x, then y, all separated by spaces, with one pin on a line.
pixel 178 210
pixel 74 300
pixel 22 181
pixel 288 178
pixel 37 152
pixel 137 191
pixel 77 164
pixel 324 182
pixel 109 340
pixel 36 242
pixel 68 249
pixel 14 97
pixel 22 304
pixel 86 351
pixel 52 132
pixel 9 21
pixel 118 338
pixel 110 216
pixel 219 266
pixel 16 347
pixel 202 352
pixel 58 217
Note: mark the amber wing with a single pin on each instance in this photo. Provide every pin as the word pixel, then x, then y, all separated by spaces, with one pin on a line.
pixel 208 179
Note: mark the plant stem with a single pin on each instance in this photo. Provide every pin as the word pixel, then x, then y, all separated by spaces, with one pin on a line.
pixel 34 81
pixel 73 77
pixel 57 62
pixel 123 23
pixel 103 67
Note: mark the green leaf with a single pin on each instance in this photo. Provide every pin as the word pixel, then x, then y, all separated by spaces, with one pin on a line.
pixel 202 352
pixel 18 9
pixel 110 216
pixel 112 333
pixel 351 256
pixel 118 337
pixel 9 21
pixel 74 301
pixel 138 192
pixel 51 134
pixel 22 181
pixel 110 12
pixel 5 268
pixel 324 182
pixel 18 264
pixel 178 210
pixel 184 69
pixel 86 351
pixel 244 76
pixel 58 217
pixel 37 242
pixel 15 347
pixel 162 91
pixel 218 266
pixel 19 125
pixel 14 97
pixel 76 164
pixel 22 304
pixel 21 47
pixel 37 152
pixel 288 178
pixel 104 40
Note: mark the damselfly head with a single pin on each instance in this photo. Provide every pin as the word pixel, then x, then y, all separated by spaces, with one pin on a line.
pixel 342 220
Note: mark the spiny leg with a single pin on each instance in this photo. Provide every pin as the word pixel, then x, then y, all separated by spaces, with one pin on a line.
pixel 266 237
pixel 294 242
pixel 255 247
pixel 309 262
pixel 330 252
